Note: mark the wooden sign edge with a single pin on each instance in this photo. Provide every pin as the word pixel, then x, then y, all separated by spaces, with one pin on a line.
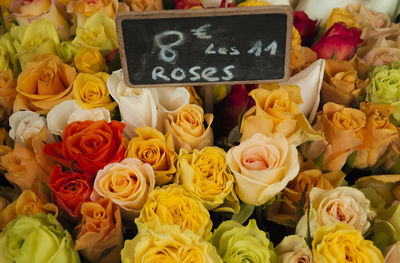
pixel 253 10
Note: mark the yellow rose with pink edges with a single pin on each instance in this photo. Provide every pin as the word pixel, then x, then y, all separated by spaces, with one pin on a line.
pixel 83 9
pixel 127 184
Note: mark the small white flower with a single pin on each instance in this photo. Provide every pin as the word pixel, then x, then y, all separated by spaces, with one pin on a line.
pixel 24 125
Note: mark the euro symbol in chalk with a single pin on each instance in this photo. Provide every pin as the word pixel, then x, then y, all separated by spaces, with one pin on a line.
pixel 200 32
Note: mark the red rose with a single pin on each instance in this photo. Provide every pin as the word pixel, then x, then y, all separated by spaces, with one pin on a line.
pixel 187 4
pixel 89 145
pixel 69 190
pixel 305 26
pixel 338 42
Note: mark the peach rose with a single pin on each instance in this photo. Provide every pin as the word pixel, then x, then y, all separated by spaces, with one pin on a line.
pixel 310 176
pixel 127 184
pixel 44 83
pixel 187 128
pixel 7 93
pixel 100 230
pixel 83 9
pixel 262 166
pixel 378 134
pixel 277 110
pixel 27 203
pixel 27 11
pixel 344 81
pixel 381 50
pixel 392 160
pixel 342 129
pixel 373 24
pixel 301 57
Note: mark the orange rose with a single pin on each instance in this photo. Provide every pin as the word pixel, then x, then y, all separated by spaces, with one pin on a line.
pixel 83 9
pixel 27 203
pixel 89 145
pixel 100 230
pixel 378 134
pixel 145 5
pixel 342 129
pixel 44 83
pixel 344 80
pixel 7 93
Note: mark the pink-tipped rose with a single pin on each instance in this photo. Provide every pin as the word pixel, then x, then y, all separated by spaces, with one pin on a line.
pixel 338 42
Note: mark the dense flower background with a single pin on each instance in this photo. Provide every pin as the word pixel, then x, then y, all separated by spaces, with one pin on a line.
pixel 306 170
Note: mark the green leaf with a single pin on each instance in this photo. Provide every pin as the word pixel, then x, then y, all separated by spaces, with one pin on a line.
pixel 320 160
pixel 301 204
pixel 308 238
pixel 45 188
pixel 244 213
pixel 350 160
pixel 381 240
pixel 395 168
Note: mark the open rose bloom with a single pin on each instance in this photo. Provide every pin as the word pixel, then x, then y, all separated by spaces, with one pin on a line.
pixel 302 170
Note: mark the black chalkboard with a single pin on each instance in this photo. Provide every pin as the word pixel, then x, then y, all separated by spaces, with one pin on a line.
pixel 207 46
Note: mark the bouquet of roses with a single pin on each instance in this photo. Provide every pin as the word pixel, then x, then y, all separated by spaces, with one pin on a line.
pixel 306 170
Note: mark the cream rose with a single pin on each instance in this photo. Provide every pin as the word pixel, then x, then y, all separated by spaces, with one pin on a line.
pixel 127 184
pixel 25 125
pixel 262 166
pixel 69 111
pixel 144 107
pixel 294 249
pixel 341 204
pixel 392 253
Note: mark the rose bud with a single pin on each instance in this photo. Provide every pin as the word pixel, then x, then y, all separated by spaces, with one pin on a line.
pixel 305 26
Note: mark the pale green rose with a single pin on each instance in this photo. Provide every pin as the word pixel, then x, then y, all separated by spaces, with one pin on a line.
pixel 38 38
pixel 206 174
pixel 384 87
pixel 236 243
pixel 36 239
pixel 168 244
pixel 8 58
pixel 99 32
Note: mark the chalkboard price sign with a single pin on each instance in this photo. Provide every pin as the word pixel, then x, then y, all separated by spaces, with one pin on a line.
pixel 204 47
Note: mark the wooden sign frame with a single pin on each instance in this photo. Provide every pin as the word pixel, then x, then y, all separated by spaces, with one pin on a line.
pixel 271 9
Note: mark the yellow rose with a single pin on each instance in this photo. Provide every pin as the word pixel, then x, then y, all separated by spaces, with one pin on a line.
pixel 7 94
pixel 44 83
pixel 27 203
pixel 90 91
pixel 90 61
pixel 342 129
pixel 28 11
pixel 168 244
pixel 83 9
pixel 127 184
pixel 344 80
pixel 206 174
pixel 145 5
pixel 194 97
pixel 156 149
pixel 341 15
pixel 173 205
pixel 253 3
pixel 378 134
pixel 392 160
pixel 277 110
pixel 187 128
pixel 262 166
pixel 98 32
pixel 301 57
pixel 341 204
pixel 310 176
pixel 343 243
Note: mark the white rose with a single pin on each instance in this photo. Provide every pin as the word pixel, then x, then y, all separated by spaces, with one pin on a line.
pixel 342 204
pixel 310 81
pixel 262 166
pixel 147 106
pixel 325 7
pixel 392 253
pixel 68 111
pixel 25 125
pixel 294 249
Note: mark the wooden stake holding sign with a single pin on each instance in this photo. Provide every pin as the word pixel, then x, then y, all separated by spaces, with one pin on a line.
pixel 247 45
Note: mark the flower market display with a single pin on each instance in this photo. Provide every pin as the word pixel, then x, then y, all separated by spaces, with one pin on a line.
pixel 300 171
